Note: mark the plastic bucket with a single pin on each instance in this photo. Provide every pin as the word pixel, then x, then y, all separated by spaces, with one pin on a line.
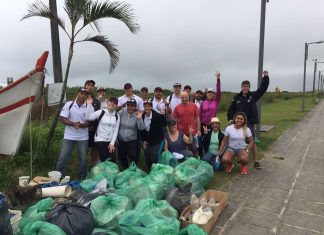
pixel 23 180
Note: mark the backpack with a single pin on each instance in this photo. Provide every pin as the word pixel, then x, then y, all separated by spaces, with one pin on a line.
pixel 99 118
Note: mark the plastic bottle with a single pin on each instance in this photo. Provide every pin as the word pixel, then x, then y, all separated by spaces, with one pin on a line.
pixel 212 204
pixel 203 201
pixel 194 202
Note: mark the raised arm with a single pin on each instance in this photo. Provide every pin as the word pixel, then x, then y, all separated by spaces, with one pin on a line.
pixel 218 88
pixel 263 86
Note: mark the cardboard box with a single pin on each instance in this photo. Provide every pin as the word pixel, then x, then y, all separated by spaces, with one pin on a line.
pixel 219 196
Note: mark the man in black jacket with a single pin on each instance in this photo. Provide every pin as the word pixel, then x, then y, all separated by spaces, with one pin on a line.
pixel 245 102
pixel 153 134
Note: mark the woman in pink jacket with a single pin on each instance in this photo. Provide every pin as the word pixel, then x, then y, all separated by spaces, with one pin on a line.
pixel 208 108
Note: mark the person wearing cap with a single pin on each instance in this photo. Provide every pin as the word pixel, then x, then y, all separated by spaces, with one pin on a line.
pixel 144 93
pixel 174 99
pixel 158 101
pixel 75 132
pixel 211 140
pixel 186 115
pixel 107 130
pixel 234 145
pixel 122 100
pixel 101 96
pixel 245 101
pixel 89 85
pixel 198 98
pixel 130 122
pixel 152 136
pixel 187 88
pixel 175 141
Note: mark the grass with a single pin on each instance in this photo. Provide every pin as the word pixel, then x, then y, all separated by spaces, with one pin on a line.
pixel 281 110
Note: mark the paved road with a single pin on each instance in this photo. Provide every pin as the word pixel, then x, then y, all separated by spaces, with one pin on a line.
pixel 286 196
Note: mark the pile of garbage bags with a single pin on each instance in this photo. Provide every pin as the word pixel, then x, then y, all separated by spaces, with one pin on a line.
pixel 129 202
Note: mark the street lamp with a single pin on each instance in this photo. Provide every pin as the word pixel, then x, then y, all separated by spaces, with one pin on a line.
pixel 305 59
pixel 318 83
pixel 315 68
pixel 260 67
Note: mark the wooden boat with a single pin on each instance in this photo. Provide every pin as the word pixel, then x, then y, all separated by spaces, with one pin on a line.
pixel 16 101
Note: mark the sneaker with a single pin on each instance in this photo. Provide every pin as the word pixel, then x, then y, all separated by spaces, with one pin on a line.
pixel 244 170
pixel 229 167
pixel 257 165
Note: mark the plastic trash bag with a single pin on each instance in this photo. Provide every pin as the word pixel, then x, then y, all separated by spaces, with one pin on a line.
pixel 72 218
pixel 167 158
pixel 162 174
pixel 128 176
pixel 106 210
pixel 108 168
pixel 217 164
pixel 142 188
pixel 155 207
pixel 194 171
pixel 179 198
pixel 135 222
pixel 101 231
pixel 90 184
pixel 5 226
pixel 192 229
pixel 36 212
pixel 42 228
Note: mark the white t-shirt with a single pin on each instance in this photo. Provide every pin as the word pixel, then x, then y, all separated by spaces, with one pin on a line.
pixel 139 102
pixel 75 114
pixel 174 101
pixel 158 105
pixel 236 138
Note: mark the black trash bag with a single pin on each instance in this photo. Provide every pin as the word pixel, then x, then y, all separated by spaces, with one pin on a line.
pixel 5 226
pixel 77 194
pixel 178 197
pixel 73 218
pixel 86 199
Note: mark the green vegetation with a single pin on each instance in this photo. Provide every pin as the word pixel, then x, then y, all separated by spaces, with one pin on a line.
pixel 281 110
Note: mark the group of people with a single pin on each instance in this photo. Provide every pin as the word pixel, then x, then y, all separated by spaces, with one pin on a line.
pixel 184 123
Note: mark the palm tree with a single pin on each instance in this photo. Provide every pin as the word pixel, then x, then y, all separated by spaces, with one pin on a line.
pixel 82 14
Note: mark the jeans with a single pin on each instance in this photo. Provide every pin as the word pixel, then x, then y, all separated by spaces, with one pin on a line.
pixel 209 157
pixel 65 155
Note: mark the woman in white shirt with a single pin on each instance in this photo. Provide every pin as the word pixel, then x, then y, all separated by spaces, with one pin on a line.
pixel 106 134
pixel 235 136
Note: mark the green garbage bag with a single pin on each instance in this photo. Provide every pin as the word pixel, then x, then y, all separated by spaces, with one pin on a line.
pixel 142 188
pixel 107 209
pixel 155 207
pixel 101 231
pixel 194 171
pixel 89 184
pixel 167 158
pixel 128 176
pixel 192 229
pixel 162 174
pixel 42 228
pixel 36 212
pixel 108 168
pixel 136 222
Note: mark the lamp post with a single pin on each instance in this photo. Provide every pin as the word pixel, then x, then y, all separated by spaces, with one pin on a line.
pixel 304 79
pixel 315 71
pixel 318 83
pixel 260 67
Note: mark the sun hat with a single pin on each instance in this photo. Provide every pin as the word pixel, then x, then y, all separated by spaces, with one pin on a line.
pixel 214 119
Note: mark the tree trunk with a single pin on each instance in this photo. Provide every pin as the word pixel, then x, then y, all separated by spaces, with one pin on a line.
pixel 57 115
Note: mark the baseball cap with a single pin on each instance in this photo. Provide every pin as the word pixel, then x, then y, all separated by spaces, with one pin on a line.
pixel 148 102
pixel 90 81
pixel 82 89
pixel 131 101
pixel 158 89
pixel 127 86
pixel 101 89
pixel 176 84
pixel 215 119
pixel 210 90
pixel 199 92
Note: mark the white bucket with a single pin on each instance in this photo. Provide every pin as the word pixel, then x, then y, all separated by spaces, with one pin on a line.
pixel 23 180
pixel 59 191
pixel 55 175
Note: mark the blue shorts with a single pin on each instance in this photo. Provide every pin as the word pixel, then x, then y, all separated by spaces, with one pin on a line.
pixel 234 150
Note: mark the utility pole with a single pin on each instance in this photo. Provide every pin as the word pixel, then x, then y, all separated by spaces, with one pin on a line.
pixel 260 67
pixel 56 51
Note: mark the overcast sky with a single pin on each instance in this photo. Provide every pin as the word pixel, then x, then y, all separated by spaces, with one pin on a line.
pixel 180 41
